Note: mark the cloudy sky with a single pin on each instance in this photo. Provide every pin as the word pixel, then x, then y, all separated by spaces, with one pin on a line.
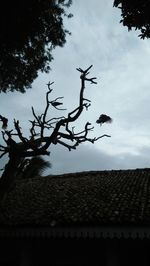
pixel 121 64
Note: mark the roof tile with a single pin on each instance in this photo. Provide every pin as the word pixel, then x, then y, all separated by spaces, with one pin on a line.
pixel 87 198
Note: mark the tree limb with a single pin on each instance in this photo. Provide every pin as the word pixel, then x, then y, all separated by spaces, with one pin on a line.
pixel 77 110
pixel 5 152
pixel 19 133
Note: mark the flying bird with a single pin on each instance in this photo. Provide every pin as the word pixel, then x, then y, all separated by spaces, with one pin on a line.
pixel 104 119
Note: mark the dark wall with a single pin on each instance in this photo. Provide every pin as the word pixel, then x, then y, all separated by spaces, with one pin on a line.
pixel 46 252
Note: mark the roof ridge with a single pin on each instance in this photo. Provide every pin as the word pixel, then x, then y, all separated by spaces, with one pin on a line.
pixel 97 171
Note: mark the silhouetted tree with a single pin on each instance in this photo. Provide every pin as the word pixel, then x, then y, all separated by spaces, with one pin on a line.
pixel 29 30
pixel 135 14
pixel 44 132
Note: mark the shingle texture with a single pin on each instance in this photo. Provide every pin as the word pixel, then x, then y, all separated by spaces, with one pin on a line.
pixel 118 197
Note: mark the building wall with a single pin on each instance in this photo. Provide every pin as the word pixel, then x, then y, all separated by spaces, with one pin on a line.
pixel 46 252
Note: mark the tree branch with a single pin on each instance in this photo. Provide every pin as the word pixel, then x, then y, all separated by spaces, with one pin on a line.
pixel 19 133
pixel 5 152
pixel 77 111
pixel 36 118
pixel 3 136
pixel 46 109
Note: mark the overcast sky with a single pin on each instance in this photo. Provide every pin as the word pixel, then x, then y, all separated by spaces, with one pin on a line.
pixel 121 64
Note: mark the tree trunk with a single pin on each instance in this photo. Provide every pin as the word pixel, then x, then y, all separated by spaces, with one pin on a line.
pixel 7 179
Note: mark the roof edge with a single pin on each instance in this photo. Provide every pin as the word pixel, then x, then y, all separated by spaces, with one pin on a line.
pixel 103 232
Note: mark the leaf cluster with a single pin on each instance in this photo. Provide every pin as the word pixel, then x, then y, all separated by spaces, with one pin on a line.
pixel 30 168
pixel 135 14
pixel 29 31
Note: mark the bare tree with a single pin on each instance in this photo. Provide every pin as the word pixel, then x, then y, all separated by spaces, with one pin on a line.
pixel 39 141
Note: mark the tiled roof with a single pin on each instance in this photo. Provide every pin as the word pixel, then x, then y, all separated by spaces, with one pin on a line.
pixel 95 198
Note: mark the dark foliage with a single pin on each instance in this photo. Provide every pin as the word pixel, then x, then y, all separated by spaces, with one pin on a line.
pixel 30 168
pixel 29 30
pixel 135 14
pixel 4 120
